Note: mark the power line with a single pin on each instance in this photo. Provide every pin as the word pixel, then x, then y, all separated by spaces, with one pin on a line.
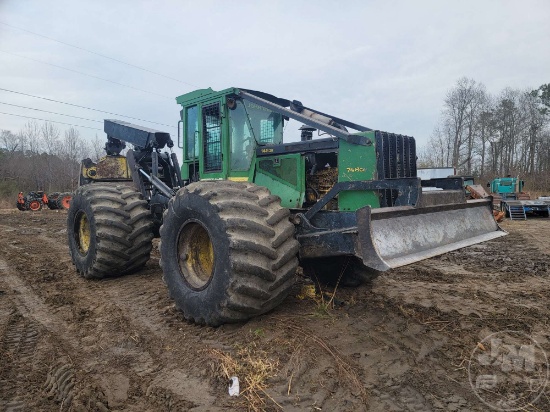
pixel 87 108
pixel 99 54
pixel 46 111
pixel 51 121
pixel 86 74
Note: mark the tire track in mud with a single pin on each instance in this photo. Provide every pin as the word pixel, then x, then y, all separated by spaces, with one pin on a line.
pixel 143 296
pixel 17 346
pixel 60 383
pixel 140 303
pixel 313 378
pixel 127 331
pixel 464 295
pixel 314 383
pixel 63 385
pixel 30 322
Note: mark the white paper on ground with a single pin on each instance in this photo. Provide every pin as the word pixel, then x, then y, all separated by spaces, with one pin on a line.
pixel 234 386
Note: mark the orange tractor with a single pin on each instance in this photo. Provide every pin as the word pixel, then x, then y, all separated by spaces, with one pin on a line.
pixel 35 201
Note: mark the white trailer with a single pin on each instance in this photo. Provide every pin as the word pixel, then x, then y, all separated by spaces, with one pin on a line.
pixel 427 173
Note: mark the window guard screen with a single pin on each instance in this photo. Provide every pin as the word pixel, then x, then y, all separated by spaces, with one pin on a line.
pixel 211 124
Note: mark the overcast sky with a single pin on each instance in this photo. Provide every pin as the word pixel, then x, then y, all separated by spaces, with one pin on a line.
pixel 384 64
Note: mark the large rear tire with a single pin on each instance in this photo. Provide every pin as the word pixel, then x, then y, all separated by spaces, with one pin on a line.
pixel 228 251
pixel 63 201
pixel 109 229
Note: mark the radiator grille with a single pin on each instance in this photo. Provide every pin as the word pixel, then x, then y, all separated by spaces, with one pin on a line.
pixel 396 158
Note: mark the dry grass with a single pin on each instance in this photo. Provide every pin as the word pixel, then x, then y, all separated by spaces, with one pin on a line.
pixel 325 301
pixel 253 367
pixel 348 374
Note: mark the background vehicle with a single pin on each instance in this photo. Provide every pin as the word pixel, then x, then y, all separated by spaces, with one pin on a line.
pixel 37 200
pixel 245 208
pixel 509 197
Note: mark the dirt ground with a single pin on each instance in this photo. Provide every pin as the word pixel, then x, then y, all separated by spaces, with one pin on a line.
pixel 400 344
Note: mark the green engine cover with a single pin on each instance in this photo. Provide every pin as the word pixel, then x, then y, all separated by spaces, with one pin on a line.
pixel 356 163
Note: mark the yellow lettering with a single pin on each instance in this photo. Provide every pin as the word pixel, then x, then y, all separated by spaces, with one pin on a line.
pixel 356 169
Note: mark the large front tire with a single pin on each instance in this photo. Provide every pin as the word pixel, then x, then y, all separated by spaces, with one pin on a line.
pixel 109 230
pixel 228 251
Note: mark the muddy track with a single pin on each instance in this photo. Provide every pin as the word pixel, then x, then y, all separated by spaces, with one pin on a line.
pixel 400 344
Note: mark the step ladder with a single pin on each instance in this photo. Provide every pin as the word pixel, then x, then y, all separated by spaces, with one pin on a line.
pixel 516 212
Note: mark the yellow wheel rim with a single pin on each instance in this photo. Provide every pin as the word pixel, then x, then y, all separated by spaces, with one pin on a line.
pixel 83 233
pixel 195 255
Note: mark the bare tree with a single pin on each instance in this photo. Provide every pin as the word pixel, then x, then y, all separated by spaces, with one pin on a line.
pixel 50 138
pixel 437 152
pixel 493 136
pixel 9 141
pixel 30 134
pixel 97 148
pixel 462 107
pixel 74 150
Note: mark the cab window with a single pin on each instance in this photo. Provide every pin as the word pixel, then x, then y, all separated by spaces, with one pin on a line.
pixel 192 130
pixel 251 125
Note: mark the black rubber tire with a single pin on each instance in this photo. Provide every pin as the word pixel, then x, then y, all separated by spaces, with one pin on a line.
pixel 59 200
pixel 52 200
pixel 120 228
pixel 254 251
pixel 20 206
pixel 28 205
pixel 327 271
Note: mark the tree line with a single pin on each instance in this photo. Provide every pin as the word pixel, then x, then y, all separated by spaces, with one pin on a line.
pixel 487 135
pixel 43 157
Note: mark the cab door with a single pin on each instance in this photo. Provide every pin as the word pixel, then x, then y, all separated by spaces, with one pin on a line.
pixel 191 146
pixel 213 163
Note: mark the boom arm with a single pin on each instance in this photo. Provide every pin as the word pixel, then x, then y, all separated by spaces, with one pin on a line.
pixel 144 138
pixel 155 174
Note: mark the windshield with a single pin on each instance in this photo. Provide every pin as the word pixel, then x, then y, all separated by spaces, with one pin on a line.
pixel 251 125
pixel 267 127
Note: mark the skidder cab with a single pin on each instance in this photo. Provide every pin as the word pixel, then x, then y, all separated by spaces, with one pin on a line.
pixel 250 204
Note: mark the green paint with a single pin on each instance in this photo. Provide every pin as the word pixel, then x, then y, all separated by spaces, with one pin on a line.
pixel 199 96
pixel 283 176
pixel 357 163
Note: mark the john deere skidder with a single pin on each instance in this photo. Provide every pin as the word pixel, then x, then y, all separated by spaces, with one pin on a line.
pixel 245 208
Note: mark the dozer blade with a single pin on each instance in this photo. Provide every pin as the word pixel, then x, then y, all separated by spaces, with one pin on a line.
pixel 397 236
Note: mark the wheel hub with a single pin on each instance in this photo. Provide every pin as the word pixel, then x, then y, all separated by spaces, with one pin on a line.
pixel 195 255
pixel 82 232
pixel 66 202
